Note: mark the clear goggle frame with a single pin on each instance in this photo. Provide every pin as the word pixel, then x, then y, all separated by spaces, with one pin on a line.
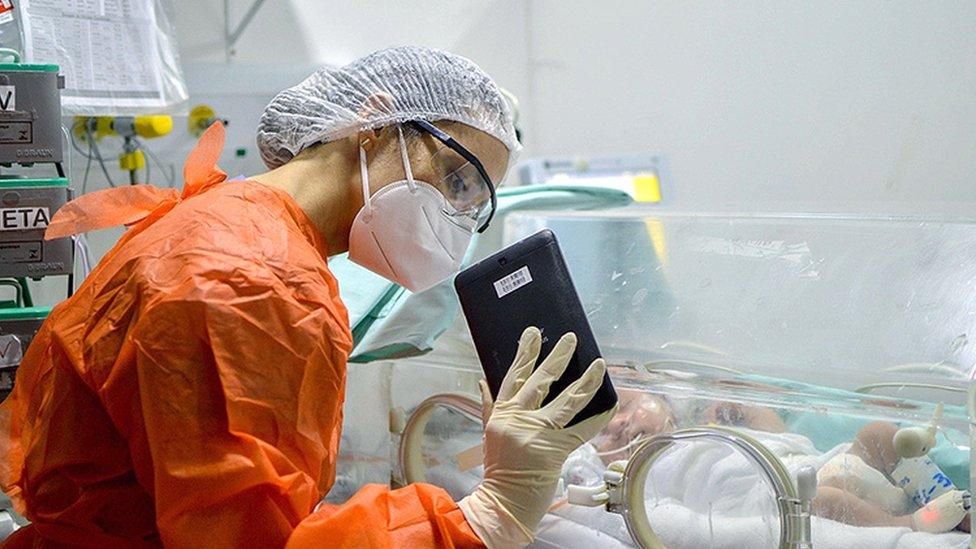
pixel 467 188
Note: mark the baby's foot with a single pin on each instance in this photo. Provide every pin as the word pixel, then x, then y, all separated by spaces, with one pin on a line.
pixel 942 513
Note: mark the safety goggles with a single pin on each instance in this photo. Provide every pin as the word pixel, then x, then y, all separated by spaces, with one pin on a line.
pixel 467 187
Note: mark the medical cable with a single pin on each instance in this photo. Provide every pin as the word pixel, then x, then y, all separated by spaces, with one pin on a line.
pixel 67 139
pixel 84 253
pixel 637 441
pixel 168 174
pixel 74 142
pixel 93 146
pixel 98 156
pixel 148 166
pixel 88 156
pixel 84 182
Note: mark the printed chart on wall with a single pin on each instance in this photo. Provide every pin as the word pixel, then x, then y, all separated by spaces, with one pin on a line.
pixel 115 54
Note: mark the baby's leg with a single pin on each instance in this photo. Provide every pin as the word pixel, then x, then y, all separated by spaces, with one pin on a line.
pixel 836 504
pixel 873 445
pixel 851 474
pixel 939 515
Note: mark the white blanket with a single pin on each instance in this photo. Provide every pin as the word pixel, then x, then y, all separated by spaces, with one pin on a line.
pixel 709 495
pixel 703 495
pixel 680 527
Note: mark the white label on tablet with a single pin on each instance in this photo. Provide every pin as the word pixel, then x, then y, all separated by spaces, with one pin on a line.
pixel 512 282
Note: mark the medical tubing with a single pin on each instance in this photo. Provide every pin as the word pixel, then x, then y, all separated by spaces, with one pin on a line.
pixel 628 446
pixel 74 145
pixel 83 253
pixel 74 142
pixel 67 141
pixel 84 182
pixel 148 164
pixel 168 174
pixel 98 155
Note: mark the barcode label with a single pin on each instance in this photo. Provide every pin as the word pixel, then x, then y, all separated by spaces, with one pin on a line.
pixel 512 282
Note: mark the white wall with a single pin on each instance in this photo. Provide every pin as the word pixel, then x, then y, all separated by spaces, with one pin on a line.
pixel 290 39
pixel 761 103
pixel 830 106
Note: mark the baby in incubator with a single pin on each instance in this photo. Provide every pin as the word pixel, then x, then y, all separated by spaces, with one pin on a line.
pixel 862 483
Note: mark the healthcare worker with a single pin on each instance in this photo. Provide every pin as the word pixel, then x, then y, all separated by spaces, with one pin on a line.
pixel 190 393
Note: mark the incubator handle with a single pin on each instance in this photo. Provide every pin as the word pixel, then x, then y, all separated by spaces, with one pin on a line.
pixel 588 496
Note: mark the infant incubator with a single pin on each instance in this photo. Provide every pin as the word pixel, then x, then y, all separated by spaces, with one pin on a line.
pixel 784 381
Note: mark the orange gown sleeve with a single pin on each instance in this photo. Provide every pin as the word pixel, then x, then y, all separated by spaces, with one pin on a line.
pixel 418 515
pixel 241 397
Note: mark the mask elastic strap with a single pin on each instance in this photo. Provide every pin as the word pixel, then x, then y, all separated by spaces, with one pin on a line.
pixel 405 158
pixel 364 175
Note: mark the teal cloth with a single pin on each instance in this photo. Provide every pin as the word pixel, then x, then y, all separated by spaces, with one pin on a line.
pixel 408 324
pixel 365 294
pixel 827 430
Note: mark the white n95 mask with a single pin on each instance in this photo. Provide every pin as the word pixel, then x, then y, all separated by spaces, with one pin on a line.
pixel 408 232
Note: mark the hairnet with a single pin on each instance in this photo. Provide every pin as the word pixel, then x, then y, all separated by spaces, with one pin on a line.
pixel 386 87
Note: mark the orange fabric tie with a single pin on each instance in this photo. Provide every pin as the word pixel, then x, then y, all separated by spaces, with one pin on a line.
pixel 141 204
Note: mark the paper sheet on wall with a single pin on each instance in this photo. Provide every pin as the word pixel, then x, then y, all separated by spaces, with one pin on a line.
pixel 109 52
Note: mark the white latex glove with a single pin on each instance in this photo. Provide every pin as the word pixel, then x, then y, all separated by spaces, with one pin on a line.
pixel 525 445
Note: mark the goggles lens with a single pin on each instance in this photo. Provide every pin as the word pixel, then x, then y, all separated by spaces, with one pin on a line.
pixel 465 183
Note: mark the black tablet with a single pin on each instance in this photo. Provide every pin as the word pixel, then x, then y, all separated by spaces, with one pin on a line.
pixel 528 284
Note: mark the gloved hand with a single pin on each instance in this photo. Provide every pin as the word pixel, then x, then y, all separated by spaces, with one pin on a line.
pixel 526 445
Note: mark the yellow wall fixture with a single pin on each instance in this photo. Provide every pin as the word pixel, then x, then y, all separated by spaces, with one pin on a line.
pixel 131 129
pixel 147 127
pixel 153 126
pixel 647 188
pixel 201 118
pixel 132 161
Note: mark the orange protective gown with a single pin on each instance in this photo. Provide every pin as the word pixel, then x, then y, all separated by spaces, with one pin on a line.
pixel 190 393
